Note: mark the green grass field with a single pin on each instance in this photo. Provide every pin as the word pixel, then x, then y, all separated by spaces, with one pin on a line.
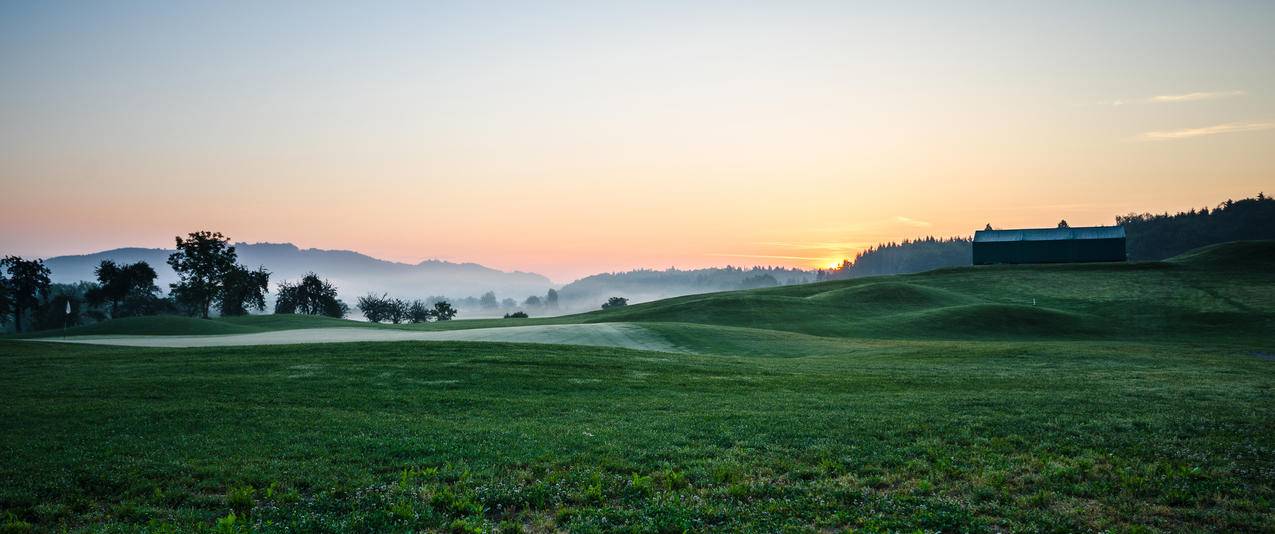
pixel 1131 397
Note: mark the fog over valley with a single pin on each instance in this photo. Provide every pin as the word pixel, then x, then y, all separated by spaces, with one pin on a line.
pixel 477 290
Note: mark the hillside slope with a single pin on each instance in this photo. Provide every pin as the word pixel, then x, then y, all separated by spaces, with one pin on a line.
pixel 1221 290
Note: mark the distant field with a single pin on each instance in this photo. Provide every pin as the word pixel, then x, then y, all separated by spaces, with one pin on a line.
pixel 1047 398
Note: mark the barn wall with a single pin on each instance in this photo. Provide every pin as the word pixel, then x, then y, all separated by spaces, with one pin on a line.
pixel 1062 251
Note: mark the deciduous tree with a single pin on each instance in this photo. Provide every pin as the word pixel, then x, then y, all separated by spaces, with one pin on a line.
pixel 28 282
pixel 243 290
pixel 128 288
pixel 418 312
pixel 443 311
pixel 6 299
pixel 202 262
pixel 310 296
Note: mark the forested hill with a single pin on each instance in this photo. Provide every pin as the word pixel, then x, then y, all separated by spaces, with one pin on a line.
pixel 910 256
pixel 1150 237
pixel 1156 237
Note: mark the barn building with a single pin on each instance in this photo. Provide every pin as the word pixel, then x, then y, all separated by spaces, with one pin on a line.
pixel 1050 245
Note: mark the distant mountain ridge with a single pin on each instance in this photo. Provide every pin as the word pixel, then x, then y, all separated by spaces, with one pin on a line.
pixel 354 274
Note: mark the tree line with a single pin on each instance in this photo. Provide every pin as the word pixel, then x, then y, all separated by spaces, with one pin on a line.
pixel 908 256
pixel 384 309
pixel 209 277
pixel 1159 236
pixel 488 301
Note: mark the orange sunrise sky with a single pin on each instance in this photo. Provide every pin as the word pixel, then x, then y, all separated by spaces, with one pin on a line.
pixel 572 138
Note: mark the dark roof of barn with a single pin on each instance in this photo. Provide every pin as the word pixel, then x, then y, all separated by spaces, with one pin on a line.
pixel 1050 234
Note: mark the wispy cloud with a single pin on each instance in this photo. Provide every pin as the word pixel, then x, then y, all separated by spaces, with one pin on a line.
pixel 915 223
pixel 1188 133
pixel 1175 98
pixel 1192 97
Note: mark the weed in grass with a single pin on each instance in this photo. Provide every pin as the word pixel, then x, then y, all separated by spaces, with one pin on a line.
pixel 674 480
pixel 240 499
pixel 13 525
pixel 641 485
pixel 229 524
pixel 510 527
pixel 156 526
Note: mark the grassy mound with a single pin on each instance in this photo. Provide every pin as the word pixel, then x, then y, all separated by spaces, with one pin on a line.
pixel 1241 255
pixel 733 340
pixel 993 320
pixel 890 295
pixel 742 309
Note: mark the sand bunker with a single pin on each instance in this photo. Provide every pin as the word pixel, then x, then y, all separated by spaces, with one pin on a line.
pixel 625 335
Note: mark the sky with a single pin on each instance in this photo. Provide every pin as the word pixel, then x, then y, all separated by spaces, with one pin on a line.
pixel 569 138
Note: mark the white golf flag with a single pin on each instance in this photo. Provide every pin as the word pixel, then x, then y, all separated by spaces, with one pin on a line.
pixel 68 307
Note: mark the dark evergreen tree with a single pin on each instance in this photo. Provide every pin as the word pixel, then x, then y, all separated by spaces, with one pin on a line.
pixel 1156 237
